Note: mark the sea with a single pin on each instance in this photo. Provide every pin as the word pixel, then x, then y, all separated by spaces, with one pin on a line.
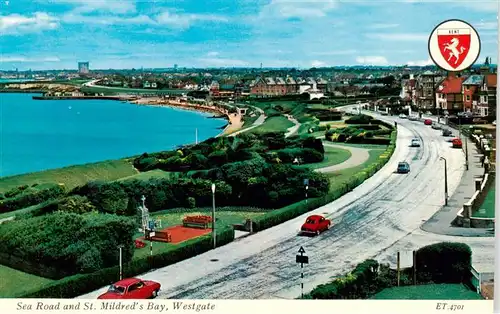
pixel 37 135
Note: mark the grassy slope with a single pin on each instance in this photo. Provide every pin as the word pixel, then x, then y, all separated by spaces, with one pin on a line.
pixel 273 124
pixel 13 281
pixel 428 292
pixel 72 176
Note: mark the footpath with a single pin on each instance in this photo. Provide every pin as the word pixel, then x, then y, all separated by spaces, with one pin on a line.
pixel 440 223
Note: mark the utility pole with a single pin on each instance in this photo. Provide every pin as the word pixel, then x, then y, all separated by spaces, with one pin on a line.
pixel 445 181
pixel 213 217
pixel 466 153
pixel 196 136
pixel 496 297
pixel 415 268
pixel 120 247
pixel 398 267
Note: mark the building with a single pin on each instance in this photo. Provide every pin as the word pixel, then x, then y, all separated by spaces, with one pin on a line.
pixel 487 96
pixel 449 94
pixel 426 90
pixel 408 91
pixel 470 89
pixel 83 67
pixel 268 86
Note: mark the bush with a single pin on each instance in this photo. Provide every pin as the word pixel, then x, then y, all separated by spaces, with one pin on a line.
pixel 191 201
pixel 61 244
pixel 445 262
pixel 359 119
pixel 74 286
pixel 31 198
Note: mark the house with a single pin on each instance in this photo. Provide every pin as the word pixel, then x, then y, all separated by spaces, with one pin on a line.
pixel 267 86
pixel 408 90
pixel 214 89
pixel 449 94
pixel 487 96
pixel 426 90
pixel 314 92
pixel 291 85
pixel 321 84
pixel 470 90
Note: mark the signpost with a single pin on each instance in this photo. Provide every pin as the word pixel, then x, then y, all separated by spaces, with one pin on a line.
pixel 302 259
pixel 454 45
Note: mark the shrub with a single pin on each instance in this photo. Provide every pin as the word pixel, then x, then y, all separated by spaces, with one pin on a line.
pixel 359 119
pixel 76 285
pixel 191 201
pixel 60 244
pixel 31 198
pixel 445 262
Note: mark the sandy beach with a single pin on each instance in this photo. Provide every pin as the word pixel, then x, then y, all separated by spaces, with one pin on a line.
pixel 235 121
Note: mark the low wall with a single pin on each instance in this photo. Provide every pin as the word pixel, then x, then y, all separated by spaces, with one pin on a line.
pixel 465 217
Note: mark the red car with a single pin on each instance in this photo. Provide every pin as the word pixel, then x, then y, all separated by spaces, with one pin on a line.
pixel 132 288
pixel 315 224
pixel 456 143
pixel 428 122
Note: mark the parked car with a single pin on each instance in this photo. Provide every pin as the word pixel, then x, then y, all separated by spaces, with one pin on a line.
pixel 456 143
pixel 132 288
pixel 403 167
pixel 402 116
pixel 436 126
pixel 428 122
pixel 415 142
pixel 447 132
pixel 412 118
pixel 384 113
pixel 428 113
pixel 315 224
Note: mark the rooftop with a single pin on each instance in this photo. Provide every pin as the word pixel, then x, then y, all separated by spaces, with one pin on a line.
pixel 474 80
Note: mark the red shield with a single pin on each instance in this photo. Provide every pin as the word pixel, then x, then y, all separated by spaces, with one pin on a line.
pixel 454 47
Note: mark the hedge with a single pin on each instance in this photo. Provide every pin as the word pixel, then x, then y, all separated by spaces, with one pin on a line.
pixel 77 285
pixel 445 262
pixel 31 198
pixel 286 213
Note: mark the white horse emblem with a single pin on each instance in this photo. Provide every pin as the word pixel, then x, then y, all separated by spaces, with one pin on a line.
pixel 452 46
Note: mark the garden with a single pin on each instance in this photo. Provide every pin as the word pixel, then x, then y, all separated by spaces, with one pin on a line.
pixel 442 269
pixel 255 177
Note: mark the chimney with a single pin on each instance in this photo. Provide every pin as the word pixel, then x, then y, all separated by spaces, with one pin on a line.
pixel 452 74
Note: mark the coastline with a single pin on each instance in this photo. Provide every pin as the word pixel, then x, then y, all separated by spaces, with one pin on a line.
pixel 234 120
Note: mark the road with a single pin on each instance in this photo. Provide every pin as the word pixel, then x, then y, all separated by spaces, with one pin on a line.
pixel 260 120
pixel 375 220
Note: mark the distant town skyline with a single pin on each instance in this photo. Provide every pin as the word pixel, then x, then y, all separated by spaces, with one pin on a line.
pixel 44 35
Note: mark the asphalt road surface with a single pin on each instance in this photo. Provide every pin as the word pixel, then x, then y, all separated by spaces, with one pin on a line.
pixel 377 219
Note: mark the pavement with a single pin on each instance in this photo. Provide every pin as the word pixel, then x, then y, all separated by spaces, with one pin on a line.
pixel 358 157
pixel 441 222
pixel 260 120
pixel 292 130
pixel 376 220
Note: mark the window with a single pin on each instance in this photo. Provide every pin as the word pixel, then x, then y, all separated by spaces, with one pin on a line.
pixel 467 97
pixel 135 286
pixel 466 88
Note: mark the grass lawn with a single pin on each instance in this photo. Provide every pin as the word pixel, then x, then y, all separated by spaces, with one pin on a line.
pixel 335 124
pixel 14 281
pixel 72 176
pixel 273 124
pixel 157 173
pixel 248 121
pixel 338 178
pixel 428 292
pixel 366 146
pixel 333 156
pixel 487 209
pixel 224 217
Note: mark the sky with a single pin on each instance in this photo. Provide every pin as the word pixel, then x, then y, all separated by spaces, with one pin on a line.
pixel 119 34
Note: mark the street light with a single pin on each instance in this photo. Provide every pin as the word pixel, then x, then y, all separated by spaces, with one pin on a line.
pixel 445 181
pixel 120 247
pixel 307 188
pixel 213 215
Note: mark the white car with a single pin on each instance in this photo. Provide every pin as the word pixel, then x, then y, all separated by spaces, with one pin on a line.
pixel 415 142
pixel 402 116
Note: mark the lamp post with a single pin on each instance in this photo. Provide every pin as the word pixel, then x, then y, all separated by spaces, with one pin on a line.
pixel 120 247
pixel 307 188
pixel 445 181
pixel 213 216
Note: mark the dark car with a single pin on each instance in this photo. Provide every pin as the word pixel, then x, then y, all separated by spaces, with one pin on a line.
pixel 447 132
pixel 403 167
pixel 315 224
pixel 132 288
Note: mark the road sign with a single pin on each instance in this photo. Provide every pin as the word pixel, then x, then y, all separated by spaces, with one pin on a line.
pixel 454 45
pixel 302 259
pixel 306 181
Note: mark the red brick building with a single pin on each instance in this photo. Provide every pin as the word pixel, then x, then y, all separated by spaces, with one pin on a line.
pixel 267 86
pixel 449 93
pixel 470 89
